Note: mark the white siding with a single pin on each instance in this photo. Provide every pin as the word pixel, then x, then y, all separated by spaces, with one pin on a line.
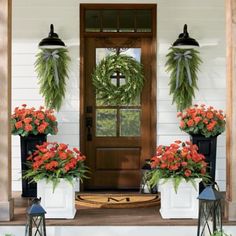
pixel 206 23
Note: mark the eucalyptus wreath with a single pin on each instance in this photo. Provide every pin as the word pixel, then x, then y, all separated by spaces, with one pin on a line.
pixel 52 68
pixel 125 65
pixel 183 65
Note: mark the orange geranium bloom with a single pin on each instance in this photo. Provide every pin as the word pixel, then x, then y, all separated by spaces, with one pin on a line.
pixel 19 124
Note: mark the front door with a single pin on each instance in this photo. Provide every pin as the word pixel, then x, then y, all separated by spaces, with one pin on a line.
pixel 117 138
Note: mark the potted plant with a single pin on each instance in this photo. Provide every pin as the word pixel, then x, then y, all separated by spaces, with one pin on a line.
pixel 178 170
pixel 55 168
pixel 33 126
pixel 204 124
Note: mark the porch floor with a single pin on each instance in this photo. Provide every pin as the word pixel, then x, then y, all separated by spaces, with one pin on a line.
pixel 85 216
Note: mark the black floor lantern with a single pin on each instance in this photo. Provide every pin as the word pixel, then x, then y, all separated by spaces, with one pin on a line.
pixel 35 225
pixel 210 211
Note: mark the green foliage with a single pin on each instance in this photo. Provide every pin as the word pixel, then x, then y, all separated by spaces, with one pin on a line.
pixel 52 91
pixel 110 93
pixel 220 233
pixel 183 94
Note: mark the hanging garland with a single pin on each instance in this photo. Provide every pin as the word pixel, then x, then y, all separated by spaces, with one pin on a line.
pixel 110 93
pixel 183 65
pixel 52 68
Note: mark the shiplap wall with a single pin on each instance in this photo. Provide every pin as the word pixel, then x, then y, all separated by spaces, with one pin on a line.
pixel 206 22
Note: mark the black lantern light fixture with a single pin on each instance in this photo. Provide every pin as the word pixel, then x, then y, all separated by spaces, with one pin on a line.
pixel 210 211
pixel 52 41
pixel 184 41
pixel 35 225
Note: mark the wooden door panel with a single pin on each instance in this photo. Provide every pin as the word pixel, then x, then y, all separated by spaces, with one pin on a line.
pixel 125 179
pixel 118 159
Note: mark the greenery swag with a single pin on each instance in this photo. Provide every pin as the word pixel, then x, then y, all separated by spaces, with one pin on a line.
pixel 52 68
pixel 183 65
pixel 128 67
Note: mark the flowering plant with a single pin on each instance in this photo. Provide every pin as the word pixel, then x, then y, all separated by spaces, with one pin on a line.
pixel 201 120
pixel 178 161
pixel 52 161
pixel 26 121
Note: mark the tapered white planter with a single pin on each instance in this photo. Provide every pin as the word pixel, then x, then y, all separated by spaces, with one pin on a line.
pixel 183 204
pixel 61 202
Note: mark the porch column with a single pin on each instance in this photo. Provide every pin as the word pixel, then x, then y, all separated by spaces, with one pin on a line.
pixel 231 109
pixel 6 202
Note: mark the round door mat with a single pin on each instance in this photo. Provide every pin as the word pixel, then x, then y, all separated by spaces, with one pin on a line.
pixel 117 200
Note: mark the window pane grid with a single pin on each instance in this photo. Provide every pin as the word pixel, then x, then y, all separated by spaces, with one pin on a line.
pixel 126 20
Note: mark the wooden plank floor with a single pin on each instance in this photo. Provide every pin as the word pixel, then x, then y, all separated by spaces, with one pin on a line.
pixel 148 216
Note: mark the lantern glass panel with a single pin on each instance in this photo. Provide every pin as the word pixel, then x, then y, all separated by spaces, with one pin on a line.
pixel 210 217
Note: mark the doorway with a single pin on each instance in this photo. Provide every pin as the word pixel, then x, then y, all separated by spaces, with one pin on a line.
pixel 117 139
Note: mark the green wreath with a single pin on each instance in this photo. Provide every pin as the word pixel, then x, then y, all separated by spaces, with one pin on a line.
pixel 109 93
pixel 183 65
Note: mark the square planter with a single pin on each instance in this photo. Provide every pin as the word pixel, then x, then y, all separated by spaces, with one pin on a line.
pixel 61 202
pixel 183 204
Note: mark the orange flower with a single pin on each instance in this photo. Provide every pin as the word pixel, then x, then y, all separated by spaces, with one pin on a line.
pixel 197 119
pixel 209 115
pixel 182 124
pixel 18 124
pixel 40 116
pixel 190 123
pixel 187 173
pixel 62 155
pixel 62 146
pixel 28 128
pixel 37 122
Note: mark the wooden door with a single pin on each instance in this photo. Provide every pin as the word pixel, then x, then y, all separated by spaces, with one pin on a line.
pixel 117 139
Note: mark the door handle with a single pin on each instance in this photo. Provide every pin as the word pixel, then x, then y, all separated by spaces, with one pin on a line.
pixel 89 125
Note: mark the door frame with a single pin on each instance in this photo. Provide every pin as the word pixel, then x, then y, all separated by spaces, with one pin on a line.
pixel 83 36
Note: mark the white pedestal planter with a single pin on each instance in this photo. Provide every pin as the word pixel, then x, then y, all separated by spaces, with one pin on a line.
pixel 61 202
pixel 183 204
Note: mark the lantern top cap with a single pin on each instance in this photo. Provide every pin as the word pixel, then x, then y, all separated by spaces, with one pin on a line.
pixel 36 208
pixel 210 194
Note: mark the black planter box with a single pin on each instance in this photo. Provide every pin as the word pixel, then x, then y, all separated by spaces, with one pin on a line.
pixel 27 148
pixel 207 147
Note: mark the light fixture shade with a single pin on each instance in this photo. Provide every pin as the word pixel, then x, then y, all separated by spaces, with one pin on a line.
pixel 184 41
pixel 52 41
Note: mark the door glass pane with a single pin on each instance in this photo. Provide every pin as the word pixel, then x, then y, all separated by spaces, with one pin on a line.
pixel 144 21
pixel 130 122
pixel 126 21
pixel 106 122
pixel 109 21
pixel 92 21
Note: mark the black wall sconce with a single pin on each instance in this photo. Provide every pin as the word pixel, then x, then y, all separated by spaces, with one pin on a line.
pixel 184 41
pixel 52 41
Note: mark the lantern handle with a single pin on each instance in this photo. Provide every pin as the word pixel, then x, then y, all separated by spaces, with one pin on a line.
pixel 214 184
